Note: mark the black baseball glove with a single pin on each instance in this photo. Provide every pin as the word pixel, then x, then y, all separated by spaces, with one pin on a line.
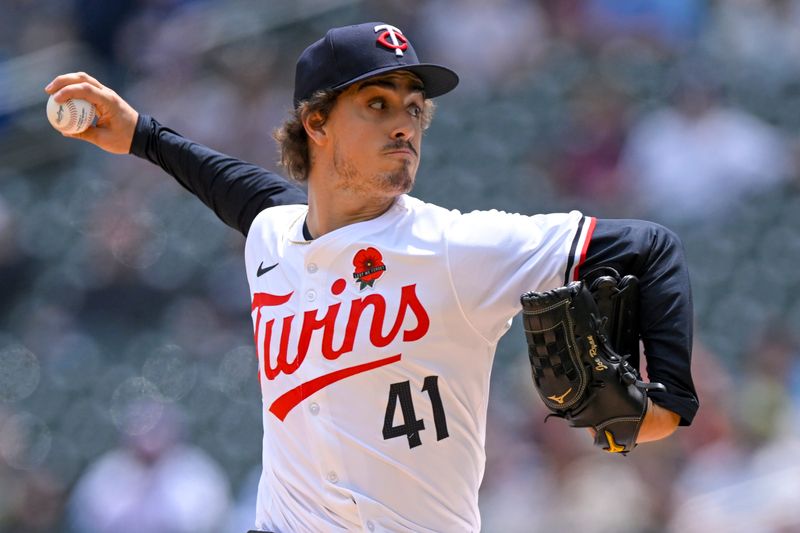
pixel 580 338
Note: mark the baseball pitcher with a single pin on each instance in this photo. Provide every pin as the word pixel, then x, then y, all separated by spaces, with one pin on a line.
pixel 376 315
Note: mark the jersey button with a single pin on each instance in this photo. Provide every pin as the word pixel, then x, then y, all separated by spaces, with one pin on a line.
pixel 314 408
pixel 332 477
pixel 370 525
pixel 311 295
pixel 311 268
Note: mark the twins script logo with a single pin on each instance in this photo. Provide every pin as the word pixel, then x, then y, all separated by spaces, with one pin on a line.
pixel 369 267
pixel 327 325
pixel 392 38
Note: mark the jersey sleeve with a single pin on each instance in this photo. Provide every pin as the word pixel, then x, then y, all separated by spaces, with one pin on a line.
pixel 494 257
pixel 235 190
pixel 655 255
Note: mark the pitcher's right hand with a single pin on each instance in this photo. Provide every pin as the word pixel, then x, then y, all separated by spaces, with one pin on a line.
pixel 116 119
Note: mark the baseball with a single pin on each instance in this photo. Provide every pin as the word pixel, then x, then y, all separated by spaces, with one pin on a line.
pixel 73 116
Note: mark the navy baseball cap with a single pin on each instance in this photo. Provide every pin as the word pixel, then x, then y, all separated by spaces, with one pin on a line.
pixel 353 53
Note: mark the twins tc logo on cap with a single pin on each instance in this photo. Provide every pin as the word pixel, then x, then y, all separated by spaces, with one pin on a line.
pixel 392 38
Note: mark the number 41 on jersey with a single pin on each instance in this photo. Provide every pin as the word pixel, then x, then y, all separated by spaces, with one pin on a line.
pixel 411 426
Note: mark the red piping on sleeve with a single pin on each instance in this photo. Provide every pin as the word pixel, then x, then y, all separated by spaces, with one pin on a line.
pixel 589 232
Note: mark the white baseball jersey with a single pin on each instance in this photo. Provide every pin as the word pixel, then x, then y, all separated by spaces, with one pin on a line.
pixel 375 344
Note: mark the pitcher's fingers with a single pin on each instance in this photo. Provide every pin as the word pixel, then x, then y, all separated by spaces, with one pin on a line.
pixel 99 97
pixel 69 79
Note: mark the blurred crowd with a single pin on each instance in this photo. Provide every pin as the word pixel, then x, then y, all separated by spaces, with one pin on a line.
pixel 128 391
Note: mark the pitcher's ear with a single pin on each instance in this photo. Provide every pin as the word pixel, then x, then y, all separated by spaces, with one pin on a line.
pixel 314 124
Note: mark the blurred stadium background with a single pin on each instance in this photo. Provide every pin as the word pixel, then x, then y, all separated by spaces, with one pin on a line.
pixel 128 391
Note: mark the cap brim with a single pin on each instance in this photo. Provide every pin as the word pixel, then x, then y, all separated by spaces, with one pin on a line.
pixel 438 80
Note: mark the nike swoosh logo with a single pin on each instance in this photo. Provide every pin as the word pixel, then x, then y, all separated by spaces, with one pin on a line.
pixel 261 270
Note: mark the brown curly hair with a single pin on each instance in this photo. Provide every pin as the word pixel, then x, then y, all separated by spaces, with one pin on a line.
pixel 292 137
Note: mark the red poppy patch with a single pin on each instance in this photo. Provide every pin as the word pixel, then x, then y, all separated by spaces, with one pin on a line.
pixel 369 267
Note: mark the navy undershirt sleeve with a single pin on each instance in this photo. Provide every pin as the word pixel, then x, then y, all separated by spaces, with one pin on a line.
pixel 655 255
pixel 235 190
